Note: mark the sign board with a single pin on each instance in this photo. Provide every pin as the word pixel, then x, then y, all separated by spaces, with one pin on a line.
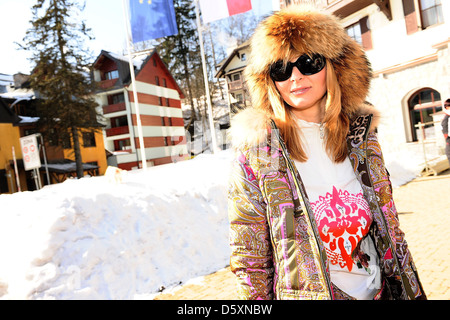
pixel 30 152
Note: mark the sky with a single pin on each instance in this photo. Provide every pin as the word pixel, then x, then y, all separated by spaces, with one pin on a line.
pixel 104 17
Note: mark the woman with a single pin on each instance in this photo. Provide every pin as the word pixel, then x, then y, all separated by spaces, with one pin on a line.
pixel 310 202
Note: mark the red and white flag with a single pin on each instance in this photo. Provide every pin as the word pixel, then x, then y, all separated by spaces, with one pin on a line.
pixel 218 9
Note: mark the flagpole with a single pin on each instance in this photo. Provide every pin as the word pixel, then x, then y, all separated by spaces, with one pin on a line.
pixel 205 75
pixel 133 84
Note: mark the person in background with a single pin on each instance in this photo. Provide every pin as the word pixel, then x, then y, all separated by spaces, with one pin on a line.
pixel 444 124
pixel 310 201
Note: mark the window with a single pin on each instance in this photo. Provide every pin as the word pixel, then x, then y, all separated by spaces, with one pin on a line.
pixel 354 31
pixel 157 80
pixel 114 74
pixel 118 98
pixel 123 144
pixel 243 57
pixel 236 77
pixel 409 12
pixel 88 139
pixel 52 138
pixel 119 122
pixel 422 105
pixel 164 83
pixel 431 12
pixel 361 33
pixel 67 142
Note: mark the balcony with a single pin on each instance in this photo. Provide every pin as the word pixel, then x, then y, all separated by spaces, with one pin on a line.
pixel 344 8
pixel 114 108
pixel 235 85
pixel 117 131
pixel 106 84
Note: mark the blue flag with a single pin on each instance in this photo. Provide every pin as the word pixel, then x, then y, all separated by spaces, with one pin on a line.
pixel 152 19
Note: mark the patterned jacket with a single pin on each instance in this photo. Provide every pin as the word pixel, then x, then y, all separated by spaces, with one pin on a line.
pixel 277 252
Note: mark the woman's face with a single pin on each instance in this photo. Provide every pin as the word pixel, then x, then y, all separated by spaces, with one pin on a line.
pixel 305 94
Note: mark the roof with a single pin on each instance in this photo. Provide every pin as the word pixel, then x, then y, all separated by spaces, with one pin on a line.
pixel 13 87
pixel 224 64
pixel 6 80
pixel 66 166
pixel 122 67
pixel 59 166
pixel 22 94
pixel 27 120
pixel 139 62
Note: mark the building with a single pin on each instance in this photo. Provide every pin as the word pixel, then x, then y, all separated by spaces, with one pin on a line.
pixel 407 44
pixel 231 69
pixel 159 99
pixel 18 116
pixel 7 129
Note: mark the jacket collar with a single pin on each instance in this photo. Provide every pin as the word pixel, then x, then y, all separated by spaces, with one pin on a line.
pixel 250 126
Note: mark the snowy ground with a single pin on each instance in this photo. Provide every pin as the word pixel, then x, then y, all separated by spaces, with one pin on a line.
pixel 96 238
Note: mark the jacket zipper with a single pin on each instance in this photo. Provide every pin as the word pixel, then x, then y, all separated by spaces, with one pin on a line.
pixel 300 191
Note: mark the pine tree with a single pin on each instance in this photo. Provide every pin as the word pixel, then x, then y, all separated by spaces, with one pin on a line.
pixel 60 76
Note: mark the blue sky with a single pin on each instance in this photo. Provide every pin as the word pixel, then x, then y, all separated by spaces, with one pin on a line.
pixel 104 17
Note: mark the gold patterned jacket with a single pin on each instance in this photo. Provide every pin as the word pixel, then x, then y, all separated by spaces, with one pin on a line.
pixel 276 250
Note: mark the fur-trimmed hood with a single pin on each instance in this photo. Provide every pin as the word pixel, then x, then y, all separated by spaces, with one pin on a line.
pixel 302 29
pixel 249 127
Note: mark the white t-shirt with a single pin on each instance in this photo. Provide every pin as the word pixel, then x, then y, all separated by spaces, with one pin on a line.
pixel 342 215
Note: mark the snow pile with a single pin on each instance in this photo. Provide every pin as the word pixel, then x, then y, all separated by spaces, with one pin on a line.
pixel 94 238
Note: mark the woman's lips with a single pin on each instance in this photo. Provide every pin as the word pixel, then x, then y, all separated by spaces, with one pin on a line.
pixel 300 91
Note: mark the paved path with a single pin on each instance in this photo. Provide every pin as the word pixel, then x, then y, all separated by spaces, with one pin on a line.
pixel 424 212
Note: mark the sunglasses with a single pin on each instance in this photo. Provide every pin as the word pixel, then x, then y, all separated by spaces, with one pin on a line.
pixel 446 105
pixel 307 65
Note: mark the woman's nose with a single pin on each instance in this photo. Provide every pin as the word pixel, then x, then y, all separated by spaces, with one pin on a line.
pixel 296 74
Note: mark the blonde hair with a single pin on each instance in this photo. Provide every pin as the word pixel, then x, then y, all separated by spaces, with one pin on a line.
pixel 336 122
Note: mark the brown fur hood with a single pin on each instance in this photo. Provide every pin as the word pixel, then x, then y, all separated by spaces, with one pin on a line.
pixel 249 127
pixel 305 29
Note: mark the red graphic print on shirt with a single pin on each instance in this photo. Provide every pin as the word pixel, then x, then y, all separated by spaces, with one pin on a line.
pixel 343 220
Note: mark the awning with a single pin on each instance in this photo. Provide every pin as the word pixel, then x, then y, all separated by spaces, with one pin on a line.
pixel 58 166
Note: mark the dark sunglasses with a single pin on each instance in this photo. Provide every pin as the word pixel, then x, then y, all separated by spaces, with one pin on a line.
pixel 446 105
pixel 307 65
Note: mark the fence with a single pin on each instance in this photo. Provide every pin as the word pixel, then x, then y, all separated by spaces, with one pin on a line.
pixel 435 165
